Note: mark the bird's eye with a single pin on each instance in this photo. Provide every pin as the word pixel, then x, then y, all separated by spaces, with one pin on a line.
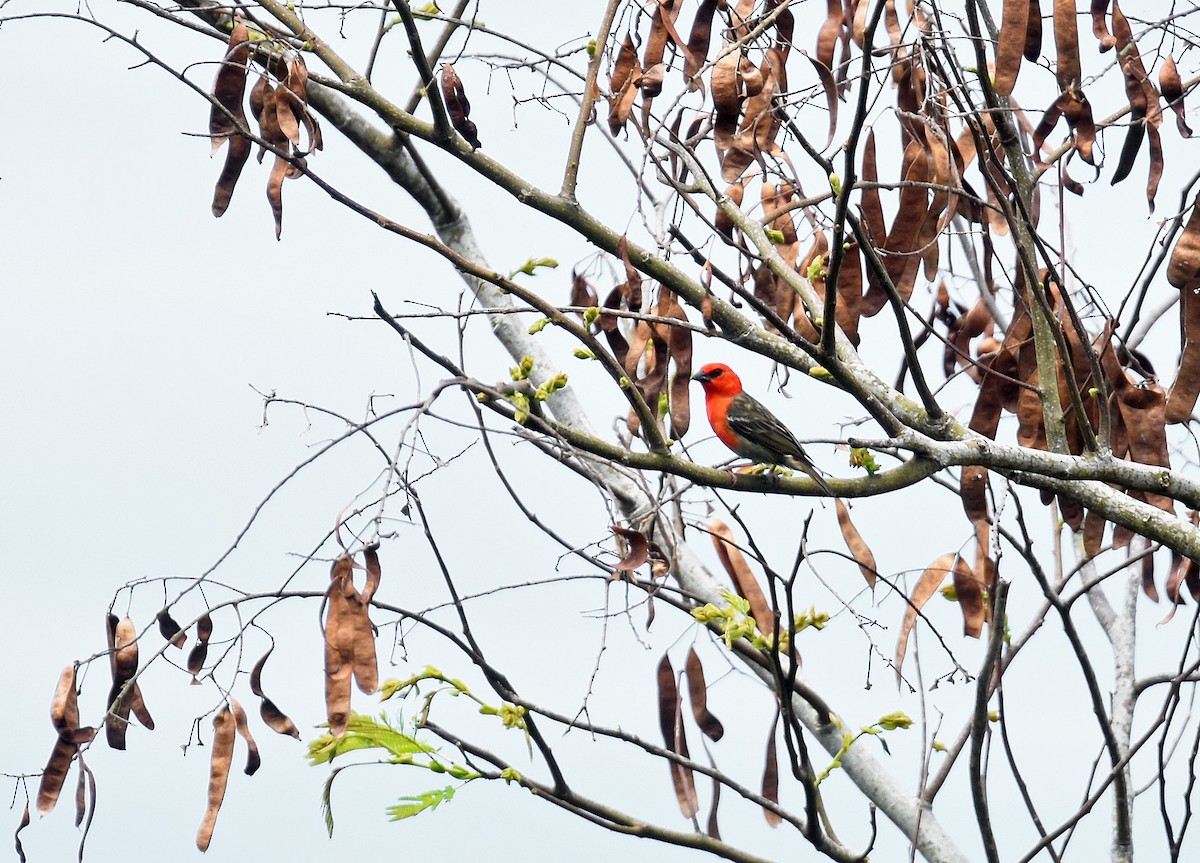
pixel 716 373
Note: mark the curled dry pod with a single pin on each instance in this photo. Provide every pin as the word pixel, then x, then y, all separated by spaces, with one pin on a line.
pixel 1172 90
pixel 279 172
pixel 1156 165
pixel 253 759
pixel 297 83
pixel 285 114
pixel 204 629
pixel 235 159
pixel 639 548
pixel 698 695
pixel 170 630
pixel 825 76
pixel 199 653
pixel 21 825
pixel 218 778
pixel 582 294
pixel 224 122
pixel 374 573
pixel 1099 8
pixel 458 106
pixel 275 718
pixel 85 791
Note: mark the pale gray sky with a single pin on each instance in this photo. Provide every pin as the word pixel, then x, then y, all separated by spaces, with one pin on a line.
pixel 134 328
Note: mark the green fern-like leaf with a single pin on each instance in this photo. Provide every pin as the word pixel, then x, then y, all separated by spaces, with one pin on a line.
pixel 327 800
pixel 364 732
pixel 415 805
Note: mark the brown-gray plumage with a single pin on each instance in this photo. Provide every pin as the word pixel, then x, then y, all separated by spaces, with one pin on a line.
pixel 748 428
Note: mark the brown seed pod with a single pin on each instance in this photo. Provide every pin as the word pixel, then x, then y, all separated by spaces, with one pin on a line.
pixel 222 757
pixel 275 718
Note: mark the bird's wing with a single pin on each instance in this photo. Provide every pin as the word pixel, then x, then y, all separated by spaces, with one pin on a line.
pixel 752 422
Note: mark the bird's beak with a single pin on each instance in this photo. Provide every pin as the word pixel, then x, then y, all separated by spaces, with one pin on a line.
pixel 702 377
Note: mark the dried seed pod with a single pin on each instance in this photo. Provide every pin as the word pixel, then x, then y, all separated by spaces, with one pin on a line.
pixel 1172 90
pixel 297 83
pixel 931 579
pixel 64 715
pixel 458 106
pixel 858 547
pixel 339 647
pixel 670 718
pixel 170 630
pixel 639 549
pixel 229 88
pixel 1011 46
pixel 226 121
pixel 55 774
pixel 85 791
pixel 64 707
pixel 21 825
pixel 275 718
pixel 743 578
pixel 374 572
pixel 366 664
pixel 222 758
pixel 199 653
pixel 698 42
pixel 969 590
pixel 253 760
pixel 698 695
pixel 626 76
pixel 770 782
pixel 124 667
pixel 1184 266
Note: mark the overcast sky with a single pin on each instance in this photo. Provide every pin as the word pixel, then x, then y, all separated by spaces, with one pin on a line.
pixel 136 331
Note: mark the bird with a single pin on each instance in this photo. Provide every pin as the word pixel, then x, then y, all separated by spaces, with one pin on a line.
pixel 747 427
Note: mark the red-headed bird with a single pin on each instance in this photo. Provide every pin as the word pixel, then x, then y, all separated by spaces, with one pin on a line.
pixel 745 426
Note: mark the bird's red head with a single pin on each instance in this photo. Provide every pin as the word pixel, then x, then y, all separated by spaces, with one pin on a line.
pixel 718 379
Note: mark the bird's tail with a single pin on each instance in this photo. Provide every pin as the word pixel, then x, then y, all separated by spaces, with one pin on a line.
pixel 812 471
